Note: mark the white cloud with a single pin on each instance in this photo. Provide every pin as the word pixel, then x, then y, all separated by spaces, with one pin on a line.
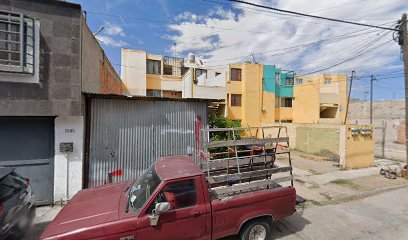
pixel 111 42
pixel 113 30
pixel 280 39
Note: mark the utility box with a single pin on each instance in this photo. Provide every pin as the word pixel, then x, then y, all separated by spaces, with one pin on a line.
pixel 356 146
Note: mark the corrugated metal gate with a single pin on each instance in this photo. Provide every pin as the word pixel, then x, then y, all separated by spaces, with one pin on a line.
pixel 27 144
pixel 127 136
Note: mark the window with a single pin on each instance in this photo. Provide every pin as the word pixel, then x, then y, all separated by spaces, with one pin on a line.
pixel 327 81
pixel 289 81
pixel 199 72
pixel 167 70
pixel 179 195
pixel 298 81
pixel 16 43
pixel 236 74
pixel 236 100
pixel 277 78
pixel 286 102
pixel 153 93
pixel 143 187
pixel 153 66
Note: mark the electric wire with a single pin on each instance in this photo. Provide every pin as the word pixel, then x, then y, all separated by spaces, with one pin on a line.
pixel 312 16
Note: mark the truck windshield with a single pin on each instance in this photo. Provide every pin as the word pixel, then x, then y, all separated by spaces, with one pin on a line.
pixel 143 188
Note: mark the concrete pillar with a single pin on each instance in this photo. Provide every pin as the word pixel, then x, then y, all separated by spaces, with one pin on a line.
pixel 68 164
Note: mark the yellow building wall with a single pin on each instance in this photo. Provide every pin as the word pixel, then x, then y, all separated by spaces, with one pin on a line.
pixel 268 108
pixel 234 87
pixel 341 79
pixel 359 147
pixel 153 82
pixel 250 88
pixel 306 107
pixel 285 113
pixel 252 75
pixel 234 113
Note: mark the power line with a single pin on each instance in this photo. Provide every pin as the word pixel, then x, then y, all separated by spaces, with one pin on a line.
pixel 346 60
pixel 299 47
pixel 312 16
pixel 361 47
pixel 192 24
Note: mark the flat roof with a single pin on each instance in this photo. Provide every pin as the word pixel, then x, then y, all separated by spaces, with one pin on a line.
pixel 177 167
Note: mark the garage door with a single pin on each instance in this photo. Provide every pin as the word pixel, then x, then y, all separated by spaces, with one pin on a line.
pixel 28 145
pixel 127 136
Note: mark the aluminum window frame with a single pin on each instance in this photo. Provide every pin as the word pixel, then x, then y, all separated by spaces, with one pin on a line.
pixel 25 41
pixel 155 65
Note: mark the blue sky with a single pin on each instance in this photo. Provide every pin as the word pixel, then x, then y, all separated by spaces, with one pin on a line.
pixel 221 33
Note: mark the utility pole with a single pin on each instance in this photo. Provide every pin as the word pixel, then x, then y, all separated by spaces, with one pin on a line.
pixel 353 75
pixel 371 98
pixel 403 41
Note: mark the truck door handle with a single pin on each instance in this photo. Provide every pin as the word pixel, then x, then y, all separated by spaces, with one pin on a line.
pixel 195 213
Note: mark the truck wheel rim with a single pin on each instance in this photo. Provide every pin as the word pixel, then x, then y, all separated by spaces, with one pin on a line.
pixel 258 232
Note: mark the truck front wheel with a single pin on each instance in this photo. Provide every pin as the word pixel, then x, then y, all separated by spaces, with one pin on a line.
pixel 256 230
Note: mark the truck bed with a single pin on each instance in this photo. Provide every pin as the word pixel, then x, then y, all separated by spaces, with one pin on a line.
pixel 227 212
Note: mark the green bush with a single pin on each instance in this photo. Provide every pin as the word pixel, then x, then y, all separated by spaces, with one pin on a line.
pixel 217 121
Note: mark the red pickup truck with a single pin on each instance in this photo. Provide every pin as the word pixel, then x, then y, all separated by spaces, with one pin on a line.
pixel 171 200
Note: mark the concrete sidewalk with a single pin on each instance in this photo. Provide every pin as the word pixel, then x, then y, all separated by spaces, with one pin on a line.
pixel 322 183
pixel 43 216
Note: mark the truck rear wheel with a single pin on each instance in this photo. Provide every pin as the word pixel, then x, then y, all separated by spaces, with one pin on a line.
pixel 256 230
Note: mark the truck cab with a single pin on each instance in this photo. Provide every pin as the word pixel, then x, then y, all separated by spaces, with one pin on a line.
pixel 171 200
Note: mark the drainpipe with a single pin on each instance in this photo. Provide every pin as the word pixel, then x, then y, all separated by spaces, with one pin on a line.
pixel 192 82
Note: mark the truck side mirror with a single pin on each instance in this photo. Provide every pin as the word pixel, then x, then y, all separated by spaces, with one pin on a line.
pixel 162 208
pixel 159 209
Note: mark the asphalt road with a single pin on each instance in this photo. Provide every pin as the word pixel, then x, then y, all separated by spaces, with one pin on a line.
pixel 384 216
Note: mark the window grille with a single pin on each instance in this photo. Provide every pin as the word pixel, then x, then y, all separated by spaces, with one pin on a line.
pixel 16 43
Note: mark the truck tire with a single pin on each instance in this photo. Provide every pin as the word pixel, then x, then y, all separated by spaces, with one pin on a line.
pixel 256 230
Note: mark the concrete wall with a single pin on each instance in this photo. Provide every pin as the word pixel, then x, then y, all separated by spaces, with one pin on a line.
pixel 318 140
pixel 98 75
pixel 68 165
pixel 133 71
pixel 359 147
pixel 391 112
pixel 57 91
pixel 306 103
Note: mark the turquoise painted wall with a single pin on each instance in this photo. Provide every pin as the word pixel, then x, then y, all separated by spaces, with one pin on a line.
pixel 285 90
pixel 269 84
pixel 269 79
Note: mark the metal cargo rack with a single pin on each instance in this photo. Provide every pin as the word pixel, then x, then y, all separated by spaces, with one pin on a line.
pixel 237 165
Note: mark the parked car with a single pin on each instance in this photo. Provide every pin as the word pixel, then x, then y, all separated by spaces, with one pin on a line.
pixel 17 209
pixel 171 200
